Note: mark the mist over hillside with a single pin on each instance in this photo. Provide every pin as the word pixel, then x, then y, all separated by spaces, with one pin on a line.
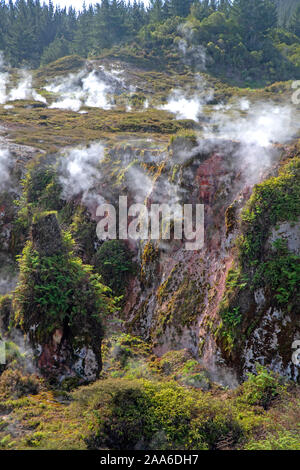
pixel 149 226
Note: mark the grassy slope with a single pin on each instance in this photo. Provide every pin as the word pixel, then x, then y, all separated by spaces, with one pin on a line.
pixel 56 419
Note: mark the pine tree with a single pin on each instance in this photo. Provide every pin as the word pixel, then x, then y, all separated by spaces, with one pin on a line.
pixel 295 22
pixel 83 37
pixel 3 23
pixel 22 40
pixel 201 9
pixel 286 10
pixel 224 6
pixel 157 11
pixel 254 18
pixel 180 8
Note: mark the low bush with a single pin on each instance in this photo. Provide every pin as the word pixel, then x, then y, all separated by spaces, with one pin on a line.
pixel 139 414
pixel 13 384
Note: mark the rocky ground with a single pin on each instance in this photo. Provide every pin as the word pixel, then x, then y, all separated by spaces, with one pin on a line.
pixel 189 323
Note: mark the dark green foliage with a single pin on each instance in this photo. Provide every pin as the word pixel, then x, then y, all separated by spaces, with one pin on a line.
pixel 232 319
pixel 239 37
pixel 286 11
pixel 254 19
pixel 140 414
pixel 262 264
pixel 59 291
pixel 275 200
pixel 114 262
pixel 58 48
pixel 5 312
pixel 83 230
pixel 280 273
pixel 261 388
pixel 41 191
pixel 41 186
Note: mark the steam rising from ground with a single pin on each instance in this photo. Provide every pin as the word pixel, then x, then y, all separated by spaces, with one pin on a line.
pixel 188 105
pixel 264 125
pixel 193 55
pixel 25 353
pixel 183 107
pixel 5 166
pixel 256 126
pixel 3 80
pixel 22 91
pixel 79 172
pixel 81 89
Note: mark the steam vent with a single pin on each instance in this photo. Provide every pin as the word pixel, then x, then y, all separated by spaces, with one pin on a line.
pixel 150 227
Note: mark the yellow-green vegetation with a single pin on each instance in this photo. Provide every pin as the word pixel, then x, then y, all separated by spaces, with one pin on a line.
pixel 5 311
pixel 51 129
pixel 126 356
pixel 41 191
pixel 83 230
pixel 184 138
pixel 118 413
pixel 182 303
pixel 56 289
pixel 180 366
pixel 275 200
pixel 150 258
pixel 113 261
pixel 77 298
pixel 62 66
pixel 14 385
pixel 276 268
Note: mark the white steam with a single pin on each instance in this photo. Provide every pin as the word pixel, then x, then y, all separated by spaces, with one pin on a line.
pixel 25 350
pixel 263 125
pixel 258 130
pixel 81 89
pixel 187 105
pixel 183 107
pixel 193 55
pixel 24 89
pixel 80 173
pixel 139 183
pixel 96 92
pixel 3 80
pixel 5 167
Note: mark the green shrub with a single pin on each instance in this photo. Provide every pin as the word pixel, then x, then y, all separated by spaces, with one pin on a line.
pixel 276 199
pixel 281 273
pixel 113 261
pixel 59 291
pixel 41 186
pixel 13 384
pixel 281 440
pixel 275 268
pixel 262 388
pixel 139 414
pixel 5 311
pixel 83 230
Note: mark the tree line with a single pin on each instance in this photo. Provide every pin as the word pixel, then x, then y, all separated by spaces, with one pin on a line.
pixel 32 33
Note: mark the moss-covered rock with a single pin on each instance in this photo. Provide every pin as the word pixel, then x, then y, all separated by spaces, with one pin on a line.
pixel 59 302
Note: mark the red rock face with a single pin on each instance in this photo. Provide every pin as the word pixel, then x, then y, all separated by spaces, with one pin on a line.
pixel 180 307
pixel 55 359
pixel 207 177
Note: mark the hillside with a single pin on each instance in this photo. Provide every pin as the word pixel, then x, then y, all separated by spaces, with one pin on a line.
pixel 144 344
